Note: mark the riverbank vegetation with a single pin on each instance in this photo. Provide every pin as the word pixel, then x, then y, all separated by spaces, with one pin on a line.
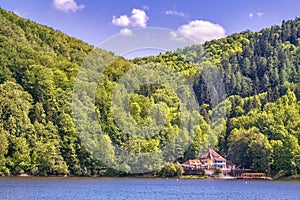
pixel 260 129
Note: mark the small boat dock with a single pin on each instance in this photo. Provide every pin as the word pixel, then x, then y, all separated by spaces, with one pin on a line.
pixel 251 175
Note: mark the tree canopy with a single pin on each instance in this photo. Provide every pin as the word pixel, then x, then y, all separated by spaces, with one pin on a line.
pixel 257 88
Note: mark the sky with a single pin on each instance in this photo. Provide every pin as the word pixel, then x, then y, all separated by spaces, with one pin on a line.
pixel 93 21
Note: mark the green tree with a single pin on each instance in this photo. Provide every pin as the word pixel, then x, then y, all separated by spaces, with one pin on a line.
pixel 260 152
pixel 171 170
pixel 3 152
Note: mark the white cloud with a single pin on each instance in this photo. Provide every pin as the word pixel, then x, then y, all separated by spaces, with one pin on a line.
pixel 199 31
pixel 138 18
pixel 260 14
pixel 67 5
pixel 250 15
pixel 176 13
pixel 126 32
pixel 123 20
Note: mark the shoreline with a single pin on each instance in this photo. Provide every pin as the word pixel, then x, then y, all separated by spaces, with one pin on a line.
pixel 183 177
pixel 297 179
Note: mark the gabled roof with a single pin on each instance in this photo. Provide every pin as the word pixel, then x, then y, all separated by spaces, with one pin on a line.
pixel 212 155
pixel 192 162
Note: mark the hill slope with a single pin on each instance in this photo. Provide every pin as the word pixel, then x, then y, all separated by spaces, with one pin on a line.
pixel 38 68
pixel 260 72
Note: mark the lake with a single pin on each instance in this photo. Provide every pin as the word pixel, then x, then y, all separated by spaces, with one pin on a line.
pixel 14 188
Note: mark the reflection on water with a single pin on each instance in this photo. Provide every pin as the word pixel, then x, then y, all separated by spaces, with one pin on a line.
pixel 156 189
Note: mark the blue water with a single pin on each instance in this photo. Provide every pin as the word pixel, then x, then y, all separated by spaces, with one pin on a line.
pixel 156 189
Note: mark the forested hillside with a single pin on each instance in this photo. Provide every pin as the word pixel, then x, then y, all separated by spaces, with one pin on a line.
pixel 260 72
pixel 38 68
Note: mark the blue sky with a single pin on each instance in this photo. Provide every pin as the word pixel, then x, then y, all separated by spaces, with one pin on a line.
pixel 94 21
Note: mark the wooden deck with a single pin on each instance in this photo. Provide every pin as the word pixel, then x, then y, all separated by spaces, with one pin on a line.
pixel 249 175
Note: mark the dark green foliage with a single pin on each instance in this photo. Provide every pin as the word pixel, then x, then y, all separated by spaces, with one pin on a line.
pixel 218 171
pixel 38 67
pixel 260 73
pixel 171 170
pixel 267 138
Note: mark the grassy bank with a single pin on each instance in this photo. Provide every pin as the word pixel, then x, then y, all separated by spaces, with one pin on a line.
pixel 194 177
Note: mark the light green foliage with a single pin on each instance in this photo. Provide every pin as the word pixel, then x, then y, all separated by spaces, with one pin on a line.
pixel 38 67
pixel 171 170
pixel 267 138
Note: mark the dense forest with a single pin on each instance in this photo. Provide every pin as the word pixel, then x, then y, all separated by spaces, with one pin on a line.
pixel 260 128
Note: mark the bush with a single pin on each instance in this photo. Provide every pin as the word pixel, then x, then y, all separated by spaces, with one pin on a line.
pixel 171 170
pixel 218 171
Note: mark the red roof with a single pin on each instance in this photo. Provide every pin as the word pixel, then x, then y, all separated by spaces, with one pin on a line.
pixel 212 155
pixel 192 162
